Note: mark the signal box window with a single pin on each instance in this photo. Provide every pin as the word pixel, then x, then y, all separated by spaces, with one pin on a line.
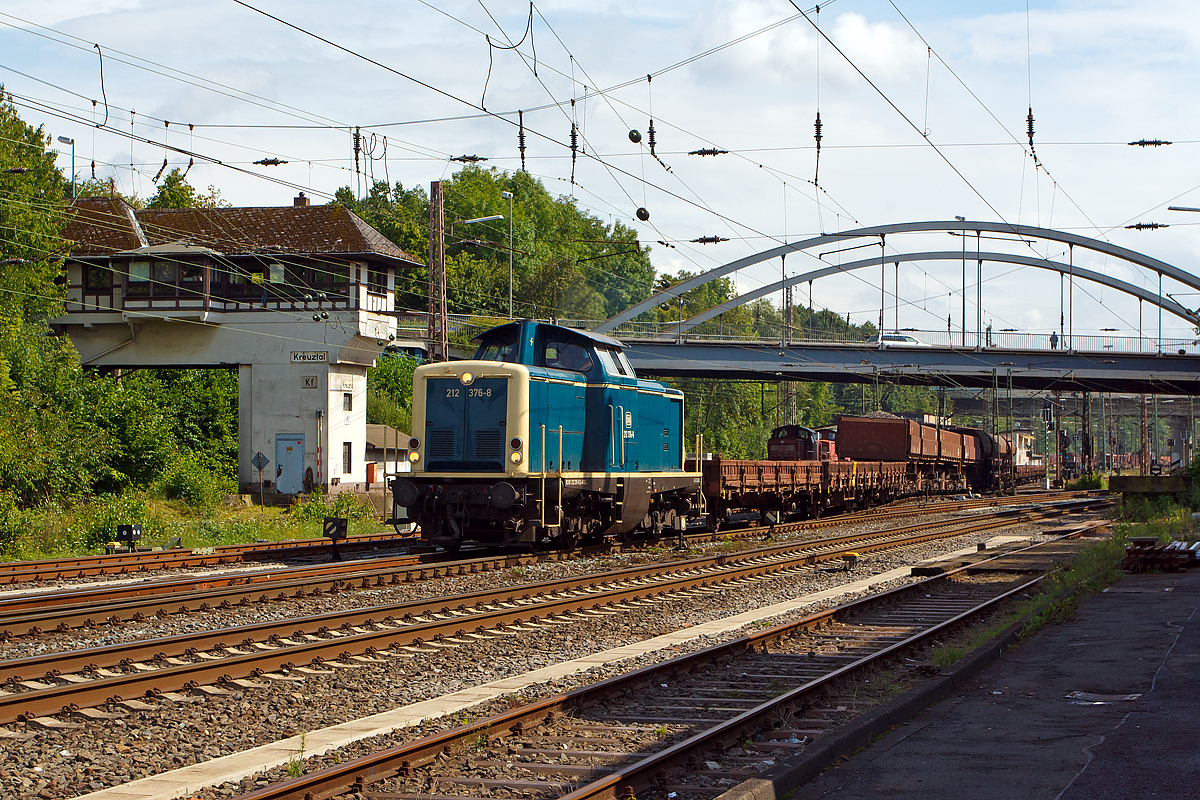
pixel 347 402
pixel 192 278
pixel 347 461
pixel 566 355
pixel 166 278
pixel 376 280
pixel 97 279
pixel 139 279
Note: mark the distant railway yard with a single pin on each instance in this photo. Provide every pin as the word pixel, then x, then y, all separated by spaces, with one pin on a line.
pixel 676 668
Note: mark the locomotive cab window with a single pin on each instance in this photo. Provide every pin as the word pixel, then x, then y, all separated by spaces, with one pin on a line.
pixel 498 349
pixel 612 361
pixel 567 355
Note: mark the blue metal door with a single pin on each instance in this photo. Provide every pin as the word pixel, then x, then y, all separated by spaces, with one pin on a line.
pixel 289 462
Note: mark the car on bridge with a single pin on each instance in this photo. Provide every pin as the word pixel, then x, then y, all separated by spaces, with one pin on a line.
pixel 896 340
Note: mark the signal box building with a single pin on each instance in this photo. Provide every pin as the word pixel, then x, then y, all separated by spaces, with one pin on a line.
pixel 300 300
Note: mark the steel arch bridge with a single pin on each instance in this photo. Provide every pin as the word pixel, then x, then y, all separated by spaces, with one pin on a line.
pixel 966 227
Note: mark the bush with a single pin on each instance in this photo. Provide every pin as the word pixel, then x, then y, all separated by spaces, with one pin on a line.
pixel 186 478
pixel 13 523
pixel 317 506
pixel 1088 480
pixel 1139 508
pixel 98 519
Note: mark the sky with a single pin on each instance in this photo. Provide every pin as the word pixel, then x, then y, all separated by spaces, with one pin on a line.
pixel 923 105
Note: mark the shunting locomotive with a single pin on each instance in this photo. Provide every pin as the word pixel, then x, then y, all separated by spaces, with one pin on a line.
pixel 546 437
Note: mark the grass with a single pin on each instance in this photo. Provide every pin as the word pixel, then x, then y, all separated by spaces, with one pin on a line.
pixel 59 531
pixel 945 655
pixel 1060 593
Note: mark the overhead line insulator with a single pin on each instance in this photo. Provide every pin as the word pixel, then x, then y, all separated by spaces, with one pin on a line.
pixel 1149 143
pixel 574 149
pixel 709 240
pixel 521 137
pixel 708 151
pixel 1147 226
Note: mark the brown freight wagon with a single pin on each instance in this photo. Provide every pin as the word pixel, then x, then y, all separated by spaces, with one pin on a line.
pixel 868 439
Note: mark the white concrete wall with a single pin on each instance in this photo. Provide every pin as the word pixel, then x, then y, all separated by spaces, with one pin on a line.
pixel 304 399
pixel 289 369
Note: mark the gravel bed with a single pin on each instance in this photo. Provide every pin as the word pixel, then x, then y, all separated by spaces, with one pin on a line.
pixel 66 763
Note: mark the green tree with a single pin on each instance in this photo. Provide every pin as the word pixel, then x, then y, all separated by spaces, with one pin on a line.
pixel 49 445
pixel 389 391
pixel 566 262
pixel 175 192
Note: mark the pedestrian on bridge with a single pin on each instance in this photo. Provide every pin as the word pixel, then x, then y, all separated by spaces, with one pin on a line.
pixel 1053 340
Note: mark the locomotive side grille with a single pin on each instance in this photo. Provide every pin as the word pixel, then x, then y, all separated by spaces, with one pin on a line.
pixel 489 445
pixel 442 444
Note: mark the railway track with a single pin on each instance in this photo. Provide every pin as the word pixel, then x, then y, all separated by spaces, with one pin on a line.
pixel 30 613
pixel 35 613
pixel 685 729
pixel 141 563
pixel 15 572
pixel 70 681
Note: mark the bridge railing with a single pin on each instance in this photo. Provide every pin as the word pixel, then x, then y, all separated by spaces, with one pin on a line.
pixel 998 339
pixel 464 327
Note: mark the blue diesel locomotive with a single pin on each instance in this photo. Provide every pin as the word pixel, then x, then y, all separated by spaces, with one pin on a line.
pixel 545 438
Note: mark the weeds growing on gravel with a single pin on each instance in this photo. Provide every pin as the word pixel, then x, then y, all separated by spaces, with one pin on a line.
pixel 295 767
pixel 1065 589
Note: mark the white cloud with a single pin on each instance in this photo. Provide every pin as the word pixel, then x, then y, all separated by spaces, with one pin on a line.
pixel 1104 72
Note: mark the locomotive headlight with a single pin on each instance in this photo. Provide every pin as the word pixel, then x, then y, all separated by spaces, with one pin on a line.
pixel 515 443
pixel 414 443
pixel 515 457
pixel 414 456
pixel 467 378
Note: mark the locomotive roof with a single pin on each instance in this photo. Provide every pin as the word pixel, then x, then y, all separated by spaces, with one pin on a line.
pixel 598 338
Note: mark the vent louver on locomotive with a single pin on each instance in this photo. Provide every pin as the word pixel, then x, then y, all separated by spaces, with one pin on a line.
pixel 443 444
pixel 489 446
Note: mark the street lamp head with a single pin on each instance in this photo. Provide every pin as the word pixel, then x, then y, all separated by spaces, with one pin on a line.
pixel 66 140
pixel 480 219
pixel 506 195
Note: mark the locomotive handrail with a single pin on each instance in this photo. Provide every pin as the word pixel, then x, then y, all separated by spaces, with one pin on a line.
pixel 621 428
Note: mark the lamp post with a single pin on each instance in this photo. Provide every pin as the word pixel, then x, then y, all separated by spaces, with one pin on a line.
pixel 490 218
pixel 509 197
pixel 66 140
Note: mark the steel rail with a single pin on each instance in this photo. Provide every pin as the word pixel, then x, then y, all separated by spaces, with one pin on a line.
pixel 357 774
pixel 131 563
pixel 283 654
